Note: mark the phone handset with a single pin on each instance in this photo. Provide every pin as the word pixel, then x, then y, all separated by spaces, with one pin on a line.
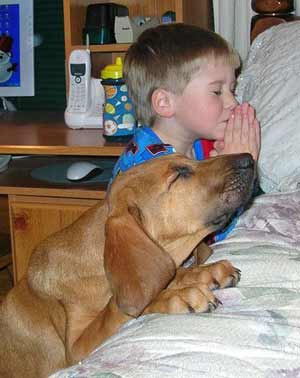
pixel 80 82
pixel 86 94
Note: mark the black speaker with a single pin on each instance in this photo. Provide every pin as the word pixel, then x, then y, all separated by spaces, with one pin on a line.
pixel 99 22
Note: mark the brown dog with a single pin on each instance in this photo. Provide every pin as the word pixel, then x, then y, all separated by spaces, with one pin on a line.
pixel 121 260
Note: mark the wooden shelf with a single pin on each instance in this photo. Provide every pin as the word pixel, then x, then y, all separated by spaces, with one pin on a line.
pixel 115 47
pixel 196 12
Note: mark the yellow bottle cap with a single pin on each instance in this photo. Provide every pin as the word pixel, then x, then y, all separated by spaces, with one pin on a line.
pixel 113 71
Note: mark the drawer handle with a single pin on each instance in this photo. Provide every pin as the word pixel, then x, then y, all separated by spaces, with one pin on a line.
pixel 20 222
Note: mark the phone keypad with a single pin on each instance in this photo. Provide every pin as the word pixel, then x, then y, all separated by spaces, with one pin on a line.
pixel 78 94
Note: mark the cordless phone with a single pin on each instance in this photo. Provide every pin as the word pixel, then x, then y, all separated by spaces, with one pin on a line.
pixel 86 94
pixel 80 81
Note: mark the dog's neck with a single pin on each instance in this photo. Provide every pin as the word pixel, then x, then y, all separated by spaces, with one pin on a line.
pixel 181 248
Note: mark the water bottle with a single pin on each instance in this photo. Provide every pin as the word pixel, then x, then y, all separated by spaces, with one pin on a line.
pixel 118 115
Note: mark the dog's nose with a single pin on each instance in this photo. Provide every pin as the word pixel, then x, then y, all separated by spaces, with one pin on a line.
pixel 244 161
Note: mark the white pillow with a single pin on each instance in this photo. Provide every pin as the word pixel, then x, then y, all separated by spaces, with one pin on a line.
pixel 270 82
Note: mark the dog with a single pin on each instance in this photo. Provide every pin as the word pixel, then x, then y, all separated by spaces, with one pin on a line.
pixel 121 260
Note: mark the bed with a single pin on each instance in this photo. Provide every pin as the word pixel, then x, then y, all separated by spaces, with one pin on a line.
pixel 256 332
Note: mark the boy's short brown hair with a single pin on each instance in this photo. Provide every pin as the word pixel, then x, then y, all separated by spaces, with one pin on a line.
pixel 166 57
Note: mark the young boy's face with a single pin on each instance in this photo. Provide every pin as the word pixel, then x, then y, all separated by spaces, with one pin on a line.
pixel 206 103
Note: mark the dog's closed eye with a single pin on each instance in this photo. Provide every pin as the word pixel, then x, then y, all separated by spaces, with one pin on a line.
pixel 183 171
pixel 179 171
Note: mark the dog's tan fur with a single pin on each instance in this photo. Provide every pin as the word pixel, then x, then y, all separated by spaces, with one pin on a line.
pixel 121 260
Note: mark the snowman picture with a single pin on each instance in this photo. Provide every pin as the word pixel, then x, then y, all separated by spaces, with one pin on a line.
pixel 6 66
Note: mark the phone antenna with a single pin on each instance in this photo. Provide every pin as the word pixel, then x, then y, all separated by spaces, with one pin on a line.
pixel 87 42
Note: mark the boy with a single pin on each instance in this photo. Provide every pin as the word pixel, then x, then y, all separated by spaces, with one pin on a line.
pixel 181 79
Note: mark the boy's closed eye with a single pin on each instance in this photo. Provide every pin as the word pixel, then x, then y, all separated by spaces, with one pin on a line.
pixel 216 90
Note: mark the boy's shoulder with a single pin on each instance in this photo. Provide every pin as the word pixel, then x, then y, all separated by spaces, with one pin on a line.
pixel 145 145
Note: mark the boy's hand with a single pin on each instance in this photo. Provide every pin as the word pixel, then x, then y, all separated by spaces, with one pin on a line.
pixel 242 133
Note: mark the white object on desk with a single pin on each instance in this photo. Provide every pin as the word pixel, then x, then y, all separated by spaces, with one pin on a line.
pixel 80 169
pixel 93 117
pixel 86 94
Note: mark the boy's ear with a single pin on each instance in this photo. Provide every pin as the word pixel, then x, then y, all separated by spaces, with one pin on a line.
pixel 163 103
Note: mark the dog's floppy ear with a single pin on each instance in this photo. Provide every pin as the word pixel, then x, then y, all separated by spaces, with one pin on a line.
pixel 136 267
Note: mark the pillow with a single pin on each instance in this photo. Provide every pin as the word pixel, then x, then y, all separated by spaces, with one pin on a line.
pixel 270 82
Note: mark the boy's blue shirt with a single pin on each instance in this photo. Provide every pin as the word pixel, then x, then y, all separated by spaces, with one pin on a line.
pixel 146 145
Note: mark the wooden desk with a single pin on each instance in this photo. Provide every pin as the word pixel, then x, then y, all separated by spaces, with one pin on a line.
pixel 45 133
pixel 17 180
pixel 37 208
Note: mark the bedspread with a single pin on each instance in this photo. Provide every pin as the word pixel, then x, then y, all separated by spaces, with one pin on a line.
pixel 255 333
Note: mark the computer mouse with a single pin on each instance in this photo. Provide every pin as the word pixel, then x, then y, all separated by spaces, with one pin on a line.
pixel 82 170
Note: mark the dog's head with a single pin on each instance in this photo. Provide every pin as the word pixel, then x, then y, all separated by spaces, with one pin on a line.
pixel 159 211
pixel 174 196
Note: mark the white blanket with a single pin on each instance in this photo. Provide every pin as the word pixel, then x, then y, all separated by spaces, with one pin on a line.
pixel 270 82
pixel 255 333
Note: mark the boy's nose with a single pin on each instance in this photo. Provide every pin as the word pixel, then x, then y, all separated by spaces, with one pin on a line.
pixel 230 102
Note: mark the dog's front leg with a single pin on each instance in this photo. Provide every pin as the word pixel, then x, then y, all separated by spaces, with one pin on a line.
pixel 85 331
pixel 201 253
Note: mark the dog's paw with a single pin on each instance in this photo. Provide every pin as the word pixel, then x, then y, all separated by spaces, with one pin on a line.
pixel 216 275
pixel 224 273
pixel 186 300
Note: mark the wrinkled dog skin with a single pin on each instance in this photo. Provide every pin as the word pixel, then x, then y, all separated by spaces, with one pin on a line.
pixel 121 260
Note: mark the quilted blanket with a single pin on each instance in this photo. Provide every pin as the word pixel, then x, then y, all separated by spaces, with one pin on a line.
pixel 254 333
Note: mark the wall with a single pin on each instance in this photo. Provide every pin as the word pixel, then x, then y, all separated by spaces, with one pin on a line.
pixel 49 59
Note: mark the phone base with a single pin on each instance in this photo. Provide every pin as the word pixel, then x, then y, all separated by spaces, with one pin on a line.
pixel 83 121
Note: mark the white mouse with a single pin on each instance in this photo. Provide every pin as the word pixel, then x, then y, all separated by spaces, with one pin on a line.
pixel 80 170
